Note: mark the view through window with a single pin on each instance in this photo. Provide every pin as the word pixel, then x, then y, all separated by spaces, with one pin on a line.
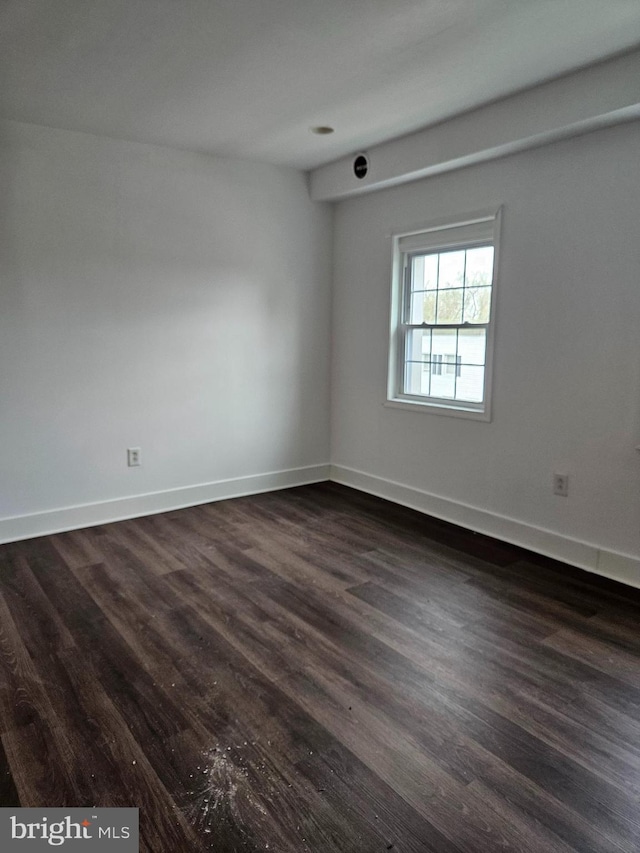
pixel 443 312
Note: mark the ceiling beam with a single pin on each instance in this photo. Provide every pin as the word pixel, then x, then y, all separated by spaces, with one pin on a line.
pixel 595 97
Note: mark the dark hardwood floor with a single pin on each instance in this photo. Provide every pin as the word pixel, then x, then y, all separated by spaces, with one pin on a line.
pixel 319 670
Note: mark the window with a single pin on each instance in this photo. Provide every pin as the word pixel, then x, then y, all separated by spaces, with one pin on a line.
pixel 442 316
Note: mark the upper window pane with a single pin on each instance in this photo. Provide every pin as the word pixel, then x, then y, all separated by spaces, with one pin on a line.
pixel 479 269
pixel 449 288
pixel 477 304
pixel 423 307
pixel 451 270
pixel 424 272
pixel 449 306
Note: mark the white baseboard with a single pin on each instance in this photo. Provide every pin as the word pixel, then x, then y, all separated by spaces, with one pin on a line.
pixel 609 564
pixel 103 512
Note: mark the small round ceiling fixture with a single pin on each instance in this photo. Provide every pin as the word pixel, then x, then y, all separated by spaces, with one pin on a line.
pixel 322 130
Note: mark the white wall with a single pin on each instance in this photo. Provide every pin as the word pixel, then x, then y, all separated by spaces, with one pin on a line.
pixel 566 393
pixel 180 303
pixel 160 299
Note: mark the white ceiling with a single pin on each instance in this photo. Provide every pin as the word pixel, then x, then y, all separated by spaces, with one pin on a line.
pixel 250 77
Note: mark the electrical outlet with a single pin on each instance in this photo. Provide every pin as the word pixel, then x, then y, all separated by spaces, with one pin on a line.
pixel 133 457
pixel 561 485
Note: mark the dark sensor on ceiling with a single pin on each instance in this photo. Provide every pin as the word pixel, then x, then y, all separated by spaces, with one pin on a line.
pixel 360 166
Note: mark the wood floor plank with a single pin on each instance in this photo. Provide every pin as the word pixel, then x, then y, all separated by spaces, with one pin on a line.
pixel 23 699
pixel 419 780
pixel 319 670
pixel 9 796
pixel 259 707
pixel 547 704
pixel 616 817
pixel 349 785
pixel 40 623
pixel 602 655
pixel 152 712
pixel 562 733
pixel 38 759
pixel 76 548
pixel 438 727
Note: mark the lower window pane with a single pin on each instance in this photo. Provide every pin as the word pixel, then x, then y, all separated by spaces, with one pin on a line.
pixel 418 345
pixel 445 364
pixel 445 341
pixel 417 378
pixel 472 344
pixel 470 383
pixel 444 385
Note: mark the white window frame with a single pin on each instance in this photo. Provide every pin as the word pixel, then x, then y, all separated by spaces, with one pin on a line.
pixel 476 229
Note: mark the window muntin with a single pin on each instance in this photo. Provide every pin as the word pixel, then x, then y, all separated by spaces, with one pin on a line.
pixel 441 336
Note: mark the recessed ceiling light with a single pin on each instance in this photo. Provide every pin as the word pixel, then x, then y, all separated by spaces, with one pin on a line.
pixel 322 130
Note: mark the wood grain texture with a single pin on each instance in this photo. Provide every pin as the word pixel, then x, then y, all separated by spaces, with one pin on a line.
pixel 319 670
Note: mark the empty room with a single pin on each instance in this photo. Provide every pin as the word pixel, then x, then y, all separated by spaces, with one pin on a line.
pixel 320 426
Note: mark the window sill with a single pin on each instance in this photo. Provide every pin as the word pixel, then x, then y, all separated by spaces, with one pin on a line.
pixel 439 409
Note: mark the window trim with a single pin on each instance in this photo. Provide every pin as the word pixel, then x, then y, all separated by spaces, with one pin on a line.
pixel 441 235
